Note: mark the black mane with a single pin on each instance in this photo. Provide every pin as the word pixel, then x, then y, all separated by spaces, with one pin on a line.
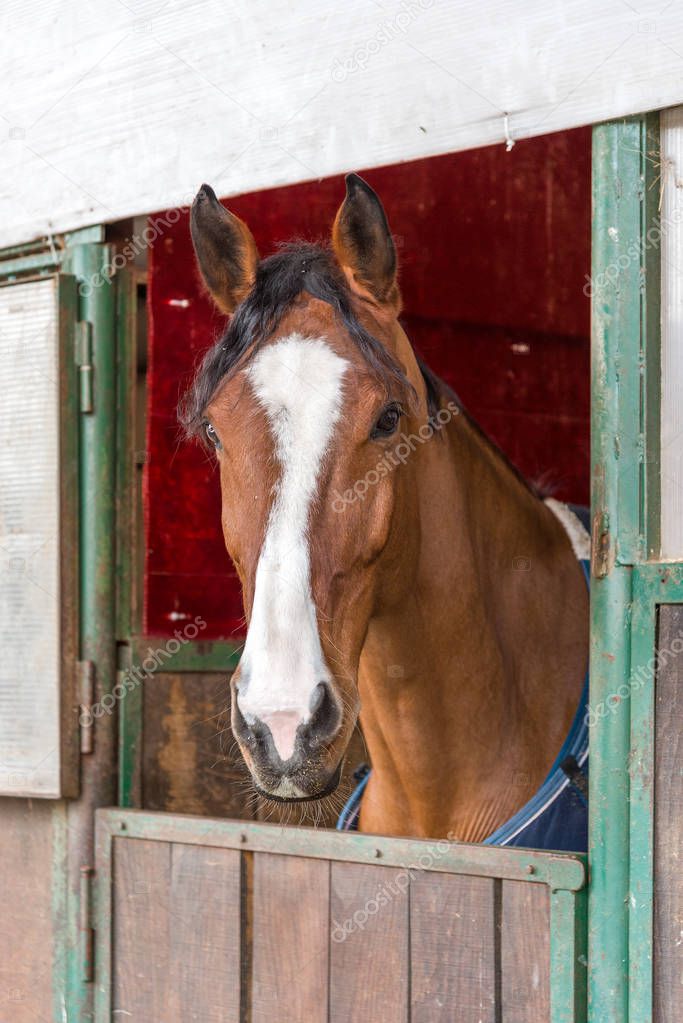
pixel 297 267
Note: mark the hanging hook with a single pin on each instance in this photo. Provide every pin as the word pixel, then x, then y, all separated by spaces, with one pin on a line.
pixel 509 141
pixel 51 243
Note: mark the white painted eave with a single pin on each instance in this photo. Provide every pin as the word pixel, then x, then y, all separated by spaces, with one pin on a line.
pixel 115 109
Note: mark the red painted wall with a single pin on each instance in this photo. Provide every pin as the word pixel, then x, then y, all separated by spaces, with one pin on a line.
pixel 493 248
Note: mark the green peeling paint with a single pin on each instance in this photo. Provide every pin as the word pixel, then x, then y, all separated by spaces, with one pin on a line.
pixel 625 508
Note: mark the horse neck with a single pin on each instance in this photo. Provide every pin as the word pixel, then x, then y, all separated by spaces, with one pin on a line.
pixel 469 683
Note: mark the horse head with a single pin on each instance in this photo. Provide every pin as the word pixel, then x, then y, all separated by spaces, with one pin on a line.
pixel 315 405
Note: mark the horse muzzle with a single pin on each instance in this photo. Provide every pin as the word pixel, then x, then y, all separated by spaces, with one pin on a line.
pixel 289 756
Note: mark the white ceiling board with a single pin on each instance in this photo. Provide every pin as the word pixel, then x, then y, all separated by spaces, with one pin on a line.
pixel 120 108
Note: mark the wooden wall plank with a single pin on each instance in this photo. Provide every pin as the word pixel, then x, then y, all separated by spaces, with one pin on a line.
pixel 290 939
pixel 369 943
pixel 668 886
pixel 26 896
pixel 453 949
pixel 205 934
pixel 190 763
pixel 140 907
pixel 525 952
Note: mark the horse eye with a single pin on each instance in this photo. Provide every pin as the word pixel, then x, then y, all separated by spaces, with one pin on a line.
pixel 211 435
pixel 387 422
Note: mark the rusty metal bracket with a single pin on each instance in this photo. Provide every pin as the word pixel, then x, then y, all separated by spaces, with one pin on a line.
pixel 85 671
pixel 87 931
pixel 85 367
pixel 601 545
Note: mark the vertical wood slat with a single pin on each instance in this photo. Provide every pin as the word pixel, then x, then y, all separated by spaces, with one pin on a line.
pixel 453 949
pixel 141 891
pixel 291 908
pixel 205 934
pixel 525 953
pixel 176 932
pixel 668 838
pixel 27 938
pixel 369 958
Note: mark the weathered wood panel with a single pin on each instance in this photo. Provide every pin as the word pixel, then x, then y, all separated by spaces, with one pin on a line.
pixel 190 763
pixel 26 897
pixel 291 907
pixel 308 90
pixel 225 931
pixel 177 932
pixel 453 949
pixel 525 953
pixel 369 943
pixel 141 914
pixel 668 888
pixel 205 934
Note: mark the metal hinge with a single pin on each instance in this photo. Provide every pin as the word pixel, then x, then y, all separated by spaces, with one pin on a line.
pixel 86 929
pixel 85 367
pixel 601 546
pixel 85 675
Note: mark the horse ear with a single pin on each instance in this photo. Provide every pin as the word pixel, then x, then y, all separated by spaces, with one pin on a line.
pixel 362 242
pixel 225 249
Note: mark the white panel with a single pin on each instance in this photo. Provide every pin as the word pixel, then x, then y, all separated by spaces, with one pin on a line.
pixel 672 336
pixel 29 541
pixel 112 109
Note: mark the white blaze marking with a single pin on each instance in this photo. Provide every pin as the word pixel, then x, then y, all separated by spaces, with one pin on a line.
pixel 298 382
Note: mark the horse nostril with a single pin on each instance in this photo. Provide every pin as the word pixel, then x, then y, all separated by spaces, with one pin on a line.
pixel 317 697
pixel 325 716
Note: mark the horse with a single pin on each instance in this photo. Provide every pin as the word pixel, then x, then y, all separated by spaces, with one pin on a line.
pixel 396 568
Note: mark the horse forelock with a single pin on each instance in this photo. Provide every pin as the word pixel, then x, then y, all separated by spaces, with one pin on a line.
pixel 297 268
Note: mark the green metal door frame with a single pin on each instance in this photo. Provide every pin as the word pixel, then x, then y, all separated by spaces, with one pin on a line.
pixel 97 501
pixel 82 258
pixel 619 222
pixel 653 586
pixel 629 580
